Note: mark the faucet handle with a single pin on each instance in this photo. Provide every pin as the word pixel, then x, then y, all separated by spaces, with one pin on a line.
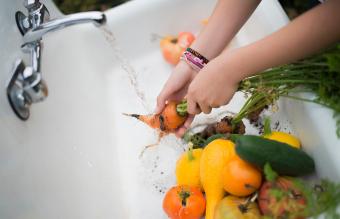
pixel 37 15
pixel 32 4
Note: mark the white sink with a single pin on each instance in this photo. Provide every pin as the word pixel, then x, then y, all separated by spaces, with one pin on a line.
pixel 78 156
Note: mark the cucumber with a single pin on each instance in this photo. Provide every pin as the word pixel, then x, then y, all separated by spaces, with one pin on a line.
pixel 284 159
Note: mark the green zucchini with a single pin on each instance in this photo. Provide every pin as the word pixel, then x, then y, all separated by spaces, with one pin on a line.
pixel 284 159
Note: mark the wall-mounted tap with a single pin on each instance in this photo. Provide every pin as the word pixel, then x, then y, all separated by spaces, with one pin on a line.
pixel 27 86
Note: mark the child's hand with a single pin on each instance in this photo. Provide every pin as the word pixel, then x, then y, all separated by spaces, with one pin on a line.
pixel 176 88
pixel 214 86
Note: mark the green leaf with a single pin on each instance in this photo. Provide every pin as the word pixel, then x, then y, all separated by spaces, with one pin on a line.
pixel 278 194
pixel 181 108
pixel 333 61
pixel 187 136
pixel 269 173
pixel 267 129
pixel 323 198
pixel 190 152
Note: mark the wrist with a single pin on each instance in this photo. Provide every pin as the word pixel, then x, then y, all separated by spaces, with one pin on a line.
pixel 238 62
pixel 194 59
pixel 184 66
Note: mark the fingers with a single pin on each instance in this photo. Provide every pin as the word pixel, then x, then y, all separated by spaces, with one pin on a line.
pixel 196 107
pixel 188 121
pixel 200 102
pixel 173 89
pixel 181 131
pixel 163 97
pixel 205 108
pixel 193 107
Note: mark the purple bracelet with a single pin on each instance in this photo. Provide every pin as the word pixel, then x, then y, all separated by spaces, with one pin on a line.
pixel 197 54
pixel 194 59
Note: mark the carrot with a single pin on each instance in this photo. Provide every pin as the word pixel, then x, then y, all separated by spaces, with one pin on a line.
pixel 172 117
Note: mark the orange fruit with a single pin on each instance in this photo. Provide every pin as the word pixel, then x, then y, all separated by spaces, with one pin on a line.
pixel 184 202
pixel 173 47
pixel 171 50
pixel 240 178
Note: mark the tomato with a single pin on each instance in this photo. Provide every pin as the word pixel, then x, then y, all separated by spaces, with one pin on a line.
pixel 241 178
pixel 173 47
pixel 185 39
pixel 232 207
pixel 281 199
pixel 184 202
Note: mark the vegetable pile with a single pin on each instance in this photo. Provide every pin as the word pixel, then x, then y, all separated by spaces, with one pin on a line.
pixel 226 174
pixel 245 176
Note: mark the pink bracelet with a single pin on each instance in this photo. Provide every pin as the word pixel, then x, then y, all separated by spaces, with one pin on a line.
pixel 194 59
pixel 197 54
pixel 190 60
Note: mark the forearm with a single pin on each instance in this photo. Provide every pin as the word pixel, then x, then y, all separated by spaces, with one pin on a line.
pixel 304 36
pixel 226 20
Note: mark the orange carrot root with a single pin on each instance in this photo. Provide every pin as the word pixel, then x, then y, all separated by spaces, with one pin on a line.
pixel 167 121
pixel 172 117
pixel 151 120
pixel 160 136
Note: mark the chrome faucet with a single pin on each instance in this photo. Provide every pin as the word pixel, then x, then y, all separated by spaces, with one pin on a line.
pixel 27 86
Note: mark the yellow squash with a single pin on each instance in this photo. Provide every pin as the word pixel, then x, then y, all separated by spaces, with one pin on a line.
pixel 214 157
pixel 188 168
pixel 284 138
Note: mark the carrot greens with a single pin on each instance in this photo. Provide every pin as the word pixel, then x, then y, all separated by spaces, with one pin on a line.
pixel 319 74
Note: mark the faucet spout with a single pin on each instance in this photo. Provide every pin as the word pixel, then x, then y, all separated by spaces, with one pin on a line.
pixel 35 34
pixel 27 85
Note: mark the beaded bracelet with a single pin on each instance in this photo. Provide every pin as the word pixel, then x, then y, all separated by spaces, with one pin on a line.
pixel 194 59
pixel 198 55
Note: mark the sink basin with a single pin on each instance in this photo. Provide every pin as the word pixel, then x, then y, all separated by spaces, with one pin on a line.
pixel 78 156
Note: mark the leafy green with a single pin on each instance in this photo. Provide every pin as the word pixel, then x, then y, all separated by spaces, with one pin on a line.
pixel 319 74
pixel 269 173
pixel 196 139
pixel 277 193
pixel 190 152
pixel 181 108
pixel 267 129
pixel 323 198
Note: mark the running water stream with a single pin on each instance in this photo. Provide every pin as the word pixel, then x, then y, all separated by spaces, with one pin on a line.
pixel 126 66
pixel 155 172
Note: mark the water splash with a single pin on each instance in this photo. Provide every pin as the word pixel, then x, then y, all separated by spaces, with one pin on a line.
pixel 126 66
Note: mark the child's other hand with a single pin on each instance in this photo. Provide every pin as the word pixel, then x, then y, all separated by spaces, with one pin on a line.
pixel 214 86
pixel 176 88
